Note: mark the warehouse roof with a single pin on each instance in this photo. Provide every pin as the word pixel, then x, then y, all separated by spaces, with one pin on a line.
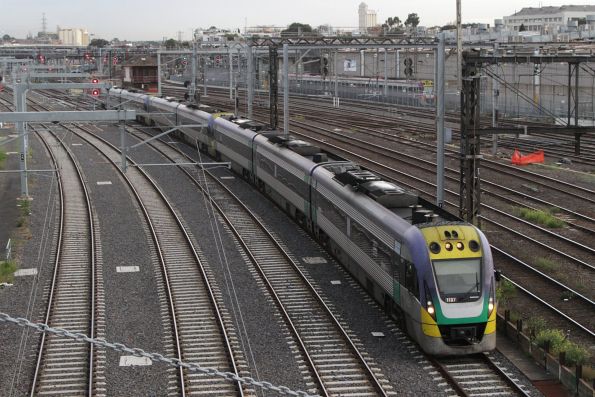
pixel 554 10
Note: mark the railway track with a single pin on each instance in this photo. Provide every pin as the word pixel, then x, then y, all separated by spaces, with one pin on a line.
pixel 471 388
pixel 199 330
pixel 335 362
pixel 482 372
pixel 478 375
pixel 402 117
pixel 65 367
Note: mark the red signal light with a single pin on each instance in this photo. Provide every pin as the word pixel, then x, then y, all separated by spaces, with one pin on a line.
pixel 95 92
pixel 95 81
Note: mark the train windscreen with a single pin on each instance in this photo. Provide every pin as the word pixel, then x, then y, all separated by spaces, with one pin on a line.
pixel 458 279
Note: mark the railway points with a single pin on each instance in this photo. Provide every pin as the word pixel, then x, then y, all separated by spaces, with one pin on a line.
pixel 213 265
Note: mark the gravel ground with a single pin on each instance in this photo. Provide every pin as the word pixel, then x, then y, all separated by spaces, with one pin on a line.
pixel 125 243
pixel 27 297
pixel 398 359
pixel 400 362
pixel 10 190
pixel 256 325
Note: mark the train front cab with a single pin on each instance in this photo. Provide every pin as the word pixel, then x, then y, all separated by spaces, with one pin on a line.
pixel 457 309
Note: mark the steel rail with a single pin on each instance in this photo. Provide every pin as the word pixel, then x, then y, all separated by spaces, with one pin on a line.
pixel 57 261
pixel 370 373
pixel 201 269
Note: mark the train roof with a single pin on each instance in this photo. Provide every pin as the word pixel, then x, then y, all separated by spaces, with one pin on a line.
pixel 303 148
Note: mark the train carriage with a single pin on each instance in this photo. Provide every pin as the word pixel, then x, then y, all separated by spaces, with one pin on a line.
pixel 428 269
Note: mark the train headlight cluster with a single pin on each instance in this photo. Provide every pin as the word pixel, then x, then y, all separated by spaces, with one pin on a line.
pixel 431 308
pixel 435 247
pixel 491 305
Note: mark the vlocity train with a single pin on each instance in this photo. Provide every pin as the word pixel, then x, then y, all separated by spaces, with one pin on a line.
pixel 427 269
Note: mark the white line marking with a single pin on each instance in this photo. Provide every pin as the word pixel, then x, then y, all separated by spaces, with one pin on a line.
pixel 228 177
pixel 314 260
pixel 127 269
pixel 104 182
pixel 26 272
pixel 131 361
pixel 77 144
pixel 335 282
pixel 378 334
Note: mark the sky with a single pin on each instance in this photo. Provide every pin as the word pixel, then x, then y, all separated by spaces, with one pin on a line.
pixel 156 19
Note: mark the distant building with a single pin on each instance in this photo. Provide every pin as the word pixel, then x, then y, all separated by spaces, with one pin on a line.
pixel 73 36
pixel 367 18
pixel 263 31
pixel 140 72
pixel 548 20
pixel 214 37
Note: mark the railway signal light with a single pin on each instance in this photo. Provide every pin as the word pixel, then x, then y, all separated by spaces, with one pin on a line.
pixel 95 91
pixel 324 62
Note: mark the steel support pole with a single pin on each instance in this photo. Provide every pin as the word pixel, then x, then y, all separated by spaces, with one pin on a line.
pixel 495 107
pixel 577 137
pixel 569 99
pixel 362 61
pixel 230 74
pixel 204 74
pixel 158 74
pixel 576 94
pixel 123 148
pixel 398 64
pixel 336 79
pixel 194 77
pixel 250 80
pixel 286 89
pixel 19 94
pixel 440 120
pixel 99 63
pixel 459 48
pixel 385 73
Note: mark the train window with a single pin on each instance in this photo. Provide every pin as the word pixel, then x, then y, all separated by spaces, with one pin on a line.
pixel 396 260
pixel 332 213
pixel 293 182
pixel 411 278
pixel 383 260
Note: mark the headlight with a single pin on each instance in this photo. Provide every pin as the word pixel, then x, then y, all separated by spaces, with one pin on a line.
pixel 491 305
pixel 431 310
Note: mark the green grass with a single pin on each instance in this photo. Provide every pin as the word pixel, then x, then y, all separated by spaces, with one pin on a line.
pixel 546 264
pixel 25 210
pixel 575 354
pixel 6 271
pixel 554 337
pixel 541 217
pixel 2 159
pixel 505 292
pixel 535 325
